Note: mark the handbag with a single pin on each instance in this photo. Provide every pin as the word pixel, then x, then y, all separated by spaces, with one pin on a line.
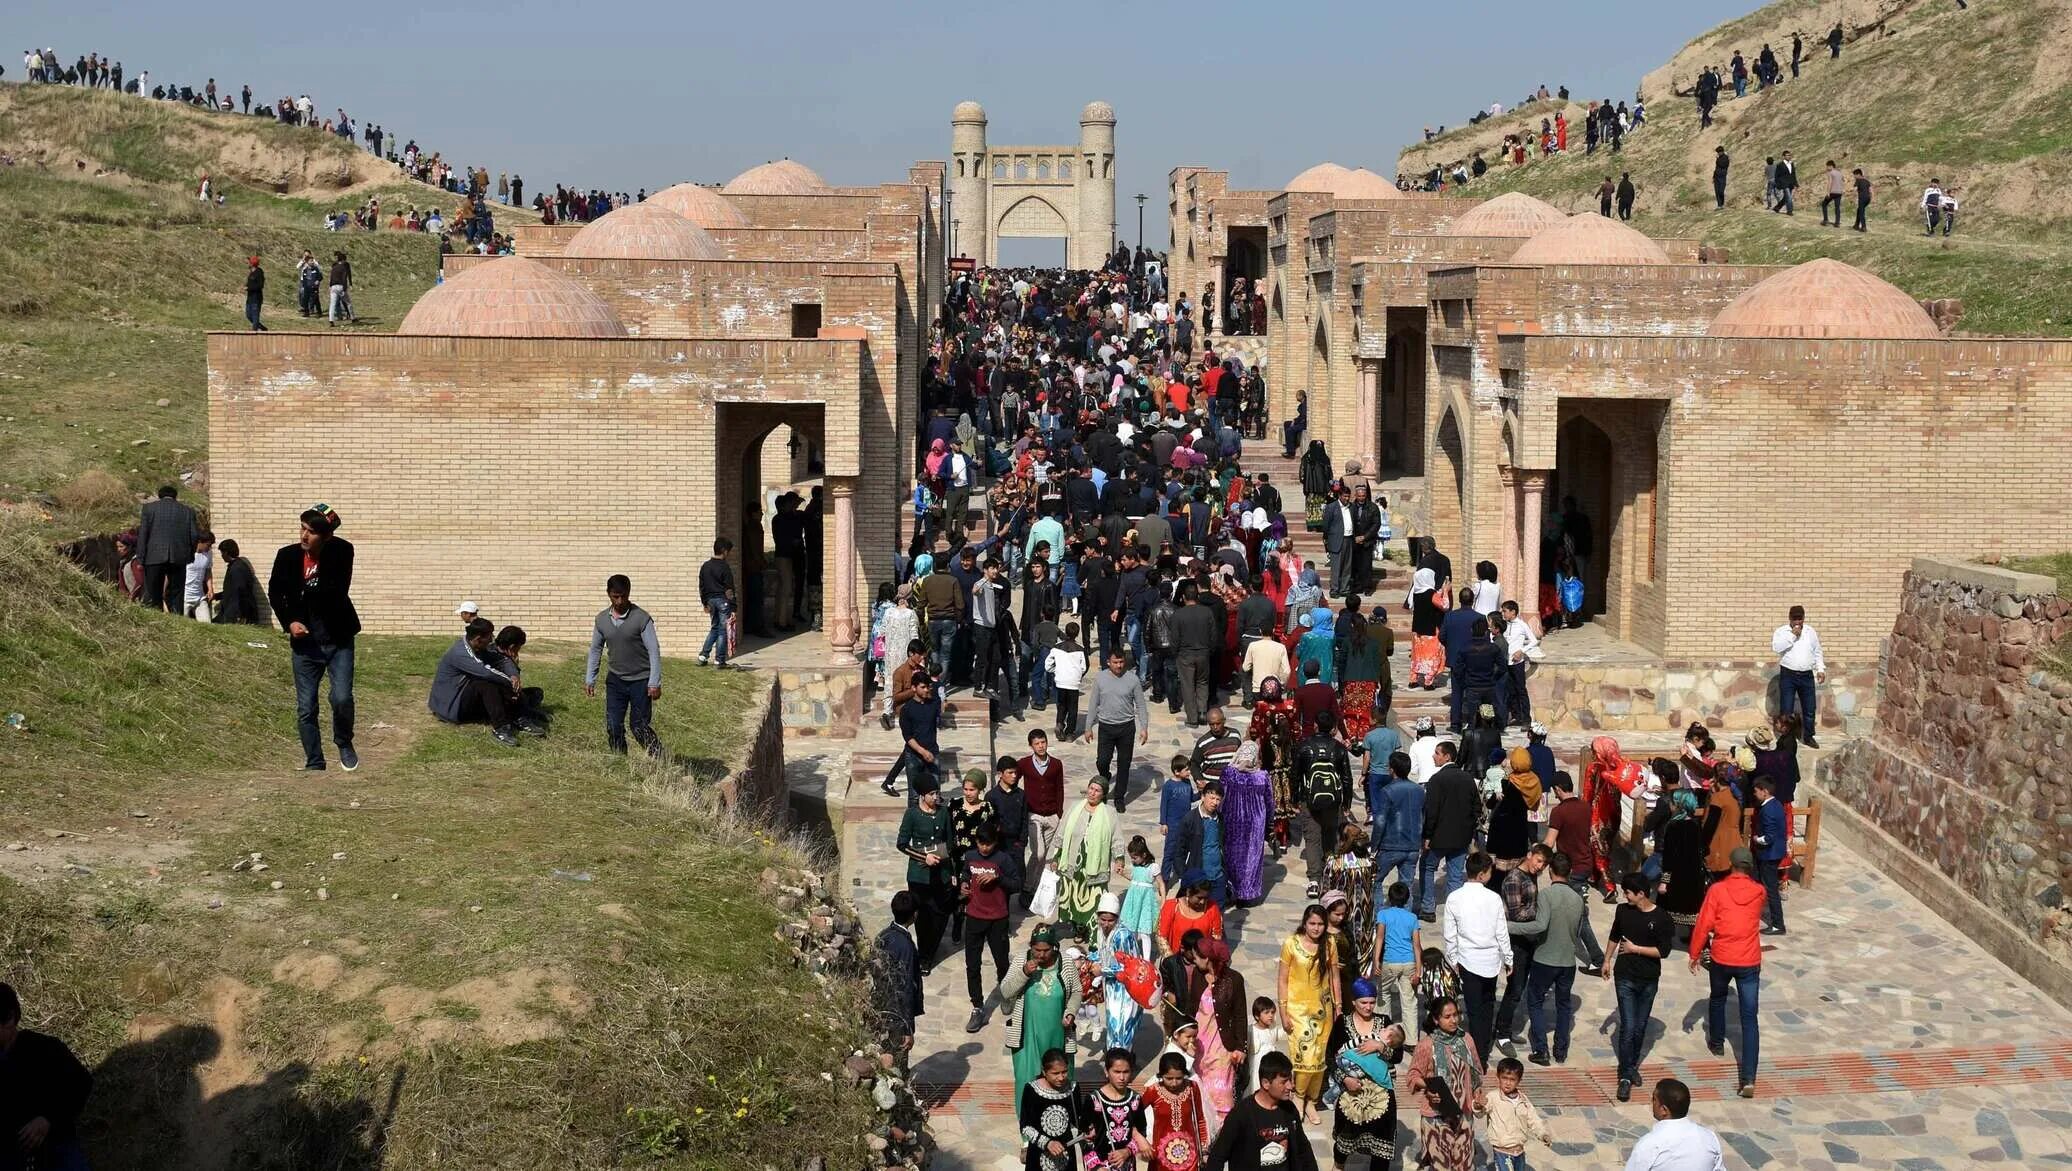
pixel 1044 903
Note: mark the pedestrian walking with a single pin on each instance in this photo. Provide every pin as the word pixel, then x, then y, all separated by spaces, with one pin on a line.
pixel 166 533
pixel 1729 933
pixel 309 589
pixel 625 634
pixel 255 294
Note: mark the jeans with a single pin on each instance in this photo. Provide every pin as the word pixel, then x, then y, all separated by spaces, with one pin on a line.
pixel 942 635
pixel 1478 996
pixel 1068 713
pixel 1499 1161
pixel 1114 744
pixel 1516 697
pixel 1636 1007
pixel 1586 936
pixel 1862 206
pixel 252 312
pixel 1401 863
pixel 1748 986
pixel 716 637
pixel 1784 203
pixel 624 698
pixel 339 301
pixel 1719 191
pixel 1456 873
pixel 1559 979
pixel 1039 678
pixel 1836 201
pixel 1522 968
pixel 1795 693
pixel 312 664
pixel 983 934
pixel 985 664
pixel 1767 870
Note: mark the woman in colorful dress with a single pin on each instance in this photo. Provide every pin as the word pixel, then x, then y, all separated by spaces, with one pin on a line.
pixel 1176 1123
pixel 1118 1112
pixel 1223 1033
pixel 1274 721
pixel 1427 657
pixel 1040 997
pixel 1359 678
pixel 1247 808
pixel 1056 1125
pixel 1190 910
pixel 1364 1050
pixel 1608 780
pixel 1114 942
pixel 1084 857
pixel 899 628
pixel 1309 996
pixel 1303 600
pixel 1319 645
pixel 1275 580
pixel 1446 1080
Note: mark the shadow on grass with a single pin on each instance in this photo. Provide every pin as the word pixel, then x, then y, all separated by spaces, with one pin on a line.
pixel 149 1109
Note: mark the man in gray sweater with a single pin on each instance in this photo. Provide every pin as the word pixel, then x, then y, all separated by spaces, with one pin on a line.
pixel 1117 708
pixel 1561 913
pixel 626 634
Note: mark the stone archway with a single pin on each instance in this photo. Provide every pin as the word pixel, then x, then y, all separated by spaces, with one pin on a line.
pixel 1033 217
pixel 1403 395
pixel 1448 490
pixel 748 512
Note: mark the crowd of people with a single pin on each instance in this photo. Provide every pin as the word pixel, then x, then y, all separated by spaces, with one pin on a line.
pixel 1127 557
pixel 1606 124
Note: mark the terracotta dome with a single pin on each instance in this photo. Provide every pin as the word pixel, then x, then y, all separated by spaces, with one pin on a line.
pixel 643 231
pixel 511 297
pixel 703 206
pixel 1343 183
pixel 1513 214
pixel 1098 111
pixel 968 112
pixel 1825 299
pixel 1590 239
pixel 782 177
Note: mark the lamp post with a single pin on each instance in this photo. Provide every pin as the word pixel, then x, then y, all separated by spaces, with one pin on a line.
pixel 1140 221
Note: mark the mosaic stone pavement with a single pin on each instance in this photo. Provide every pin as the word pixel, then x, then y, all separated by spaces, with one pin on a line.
pixel 1888 1039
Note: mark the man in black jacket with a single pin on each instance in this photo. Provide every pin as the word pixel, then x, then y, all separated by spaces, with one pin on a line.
pixel 166 532
pixel 1195 632
pixel 1720 162
pixel 1323 776
pixel 1452 809
pixel 309 590
pixel 43 1087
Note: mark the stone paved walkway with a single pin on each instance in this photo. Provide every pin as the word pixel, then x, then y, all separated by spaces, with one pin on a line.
pixel 1889 1040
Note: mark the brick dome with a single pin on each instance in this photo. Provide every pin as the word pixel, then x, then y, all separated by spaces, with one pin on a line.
pixel 1513 214
pixel 1589 239
pixel 782 177
pixel 1825 299
pixel 1343 183
pixel 643 231
pixel 703 206
pixel 968 112
pixel 1098 111
pixel 511 297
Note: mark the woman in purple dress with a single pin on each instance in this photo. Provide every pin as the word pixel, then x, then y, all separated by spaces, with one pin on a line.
pixel 1247 806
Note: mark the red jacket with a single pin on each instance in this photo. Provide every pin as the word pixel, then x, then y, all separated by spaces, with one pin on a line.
pixel 1733 917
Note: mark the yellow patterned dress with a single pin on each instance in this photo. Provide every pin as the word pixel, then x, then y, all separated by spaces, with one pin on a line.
pixel 1310 1009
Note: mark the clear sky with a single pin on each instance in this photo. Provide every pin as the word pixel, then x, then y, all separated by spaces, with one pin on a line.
pixel 633 93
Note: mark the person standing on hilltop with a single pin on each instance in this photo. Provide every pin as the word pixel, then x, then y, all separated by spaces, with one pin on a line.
pixel 1863 198
pixel 1606 192
pixel 166 533
pixel 310 592
pixel 1834 42
pixel 1720 162
pixel 255 294
pixel 1836 184
pixel 1626 195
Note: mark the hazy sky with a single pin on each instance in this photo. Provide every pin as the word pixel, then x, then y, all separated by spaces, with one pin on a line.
pixel 643 93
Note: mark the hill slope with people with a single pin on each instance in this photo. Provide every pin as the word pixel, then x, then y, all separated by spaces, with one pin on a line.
pixel 1989 121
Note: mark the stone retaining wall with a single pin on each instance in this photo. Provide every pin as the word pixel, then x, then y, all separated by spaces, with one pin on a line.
pixel 1965 767
pixel 822 702
pixel 756 787
pixel 1671 694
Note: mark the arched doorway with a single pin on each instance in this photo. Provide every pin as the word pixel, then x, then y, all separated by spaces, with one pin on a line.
pixel 1449 491
pixel 769 469
pixel 1041 232
pixel 1585 472
pixel 1403 395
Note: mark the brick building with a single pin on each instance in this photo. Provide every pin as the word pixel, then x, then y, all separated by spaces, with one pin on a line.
pixel 604 399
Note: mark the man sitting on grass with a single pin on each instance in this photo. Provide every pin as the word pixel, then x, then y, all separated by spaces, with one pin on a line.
pixel 472 686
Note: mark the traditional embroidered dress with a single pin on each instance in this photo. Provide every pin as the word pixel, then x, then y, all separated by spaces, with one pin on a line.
pixel 1247 808
pixel 1178 1127
pixel 1309 1007
pixel 1116 1122
pixel 1212 1065
pixel 1047 1116
pixel 1448 1141
pixel 1365 1123
pixel 1085 859
pixel 1274 720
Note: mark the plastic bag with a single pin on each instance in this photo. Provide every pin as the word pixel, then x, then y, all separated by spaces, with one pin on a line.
pixel 1044 904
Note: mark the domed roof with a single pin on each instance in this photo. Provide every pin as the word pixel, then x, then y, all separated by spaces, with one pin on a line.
pixel 783 177
pixel 643 231
pixel 1097 111
pixel 1825 299
pixel 1589 239
pixel 1343 183
pixel 968 112
pixel 703 206
pixel 1512 214
pixel 511 297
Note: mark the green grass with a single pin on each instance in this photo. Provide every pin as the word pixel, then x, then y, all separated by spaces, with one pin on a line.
pixel 665 1007
pixel 2007 145
pixel 2054 565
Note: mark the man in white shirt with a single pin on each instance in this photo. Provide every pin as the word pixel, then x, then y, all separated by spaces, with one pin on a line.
pixel 1478 945
pixel 1675 1143
pixel 1799 667
pixel 1522 646
pixel 1424 744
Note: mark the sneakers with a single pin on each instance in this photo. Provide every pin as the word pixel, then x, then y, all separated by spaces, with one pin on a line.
pixel 311 766
pixel 504 736
pixel 1747 1089
pixel 1773 931
pixel 1716 1048
pixel 532 727
pixel 976 1022
pixel 347 758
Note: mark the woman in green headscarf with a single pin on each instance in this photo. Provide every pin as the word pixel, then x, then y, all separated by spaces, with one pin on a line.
pixel 1041 997
pixel 1085 858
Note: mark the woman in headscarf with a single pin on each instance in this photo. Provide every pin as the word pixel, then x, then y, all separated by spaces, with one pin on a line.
pixel 1116 941
pixel 1682 846
pixel 938 451
pixel 1319 644
pixel 1509 827
pixel 1608 780
pixel 1446 1078
pixel 1364 1050
pixel 1359 679
pixel 1247 807
pixel 1307 595
pixel 1223 1022
pixel 1427 657
pixel 1040 997
pixel 1085 857
pixel 1274 721
pixel 1275 580
pixel 1316 484
pixel 967 432
pixel 1309 998
pixel 898 625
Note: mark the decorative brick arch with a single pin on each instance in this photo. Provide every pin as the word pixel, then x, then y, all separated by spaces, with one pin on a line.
pixel 1032 216
pixel 1448 485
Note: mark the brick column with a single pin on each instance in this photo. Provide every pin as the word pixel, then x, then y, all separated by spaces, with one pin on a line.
pixel 1534 484
pixel 841 624
pixel 1508 560
pixel 1369 428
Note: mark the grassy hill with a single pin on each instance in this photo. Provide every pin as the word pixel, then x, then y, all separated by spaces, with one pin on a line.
pixel 459 955
pixel 1979 98
pixel 110 270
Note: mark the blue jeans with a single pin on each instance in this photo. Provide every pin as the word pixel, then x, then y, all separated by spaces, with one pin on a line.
pixel 1499 1161
pixel 1403 863
pixel 1456 873
pixel 942 636
pixel 1748 986
pixel 1795 693
pixel 1636 1008
pixel 312 664
pixel 1039 678
pixel 1559 979
pixel 624 698
pixel 1767 870
pixel 716 637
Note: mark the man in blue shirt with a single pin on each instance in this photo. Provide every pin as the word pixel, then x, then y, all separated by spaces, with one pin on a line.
pixel 1395 808
pixel 1175 800
pixel 1396 950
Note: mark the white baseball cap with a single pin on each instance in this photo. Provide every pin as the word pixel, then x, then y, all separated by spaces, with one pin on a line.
pixel 467 608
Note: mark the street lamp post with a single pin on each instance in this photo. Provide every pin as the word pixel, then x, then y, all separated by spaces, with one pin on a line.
pixel 1140 221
